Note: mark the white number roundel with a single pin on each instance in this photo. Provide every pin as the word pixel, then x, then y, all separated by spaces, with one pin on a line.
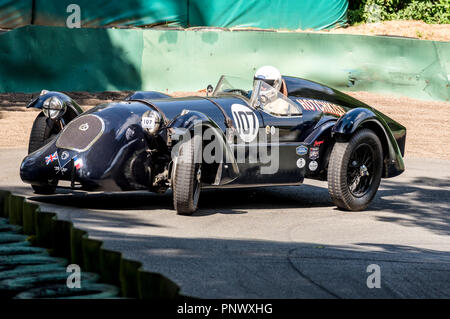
pixel 245 121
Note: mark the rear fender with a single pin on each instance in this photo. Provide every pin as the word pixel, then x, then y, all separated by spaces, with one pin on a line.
pixel 358 118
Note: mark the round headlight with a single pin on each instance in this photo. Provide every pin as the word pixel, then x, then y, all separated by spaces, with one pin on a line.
pixel 151 121
pixel 53 107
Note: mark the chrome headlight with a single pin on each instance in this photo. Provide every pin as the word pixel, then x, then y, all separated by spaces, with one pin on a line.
pixel 151 121
pixel 53 107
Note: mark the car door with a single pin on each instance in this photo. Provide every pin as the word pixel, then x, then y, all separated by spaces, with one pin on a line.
pixel 264 144
pixel 285 130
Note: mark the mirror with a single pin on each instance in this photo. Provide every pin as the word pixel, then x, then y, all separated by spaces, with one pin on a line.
pixel 209 90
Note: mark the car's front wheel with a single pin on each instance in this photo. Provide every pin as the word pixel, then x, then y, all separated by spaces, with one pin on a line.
pixel 42 132
pixel 354 170
pixel 186 177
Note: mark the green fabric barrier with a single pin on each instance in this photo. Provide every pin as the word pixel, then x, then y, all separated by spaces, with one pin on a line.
pixel 115 59
pixel 269 14
pixel 70 59
pixel 192 60
pixel 113 13
pixel 15 13
pixel 272 14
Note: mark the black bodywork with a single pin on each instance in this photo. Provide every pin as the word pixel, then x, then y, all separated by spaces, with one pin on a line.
pixel 119 155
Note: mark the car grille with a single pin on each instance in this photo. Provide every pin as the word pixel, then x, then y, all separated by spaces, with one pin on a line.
pixel 80 134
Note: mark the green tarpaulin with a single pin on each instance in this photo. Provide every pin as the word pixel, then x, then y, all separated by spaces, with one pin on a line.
pixel 116 59
pixel 269 14
pixel 113 13
pixel 15 13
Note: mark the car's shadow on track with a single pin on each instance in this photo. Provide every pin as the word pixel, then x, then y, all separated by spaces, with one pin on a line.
pixel 217 201
pixel 423 202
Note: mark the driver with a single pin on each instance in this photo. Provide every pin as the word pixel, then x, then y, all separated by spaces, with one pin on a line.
pixel 272 77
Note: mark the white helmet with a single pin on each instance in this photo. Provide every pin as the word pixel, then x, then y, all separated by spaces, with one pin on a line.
pixel 270 75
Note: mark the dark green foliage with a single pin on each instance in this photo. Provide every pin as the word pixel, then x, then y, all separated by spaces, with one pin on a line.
pixel 429 11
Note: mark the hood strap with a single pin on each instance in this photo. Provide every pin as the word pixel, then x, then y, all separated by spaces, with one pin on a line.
pixel 228 121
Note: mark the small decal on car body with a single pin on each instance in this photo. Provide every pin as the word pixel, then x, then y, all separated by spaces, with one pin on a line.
pixel 50 158
pixel 301 163
pixel 78 162
pixel 318 143
pixel 314 153
pixel 313 165
pixel 148 122
pixel 301 150
pixel 64 155
pixel 322 106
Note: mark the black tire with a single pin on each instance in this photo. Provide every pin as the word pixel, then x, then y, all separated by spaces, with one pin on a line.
pixel 186 183
pixel 41 134
pixel 354 171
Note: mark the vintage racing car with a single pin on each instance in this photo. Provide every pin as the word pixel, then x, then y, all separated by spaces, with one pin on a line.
pixel 229 138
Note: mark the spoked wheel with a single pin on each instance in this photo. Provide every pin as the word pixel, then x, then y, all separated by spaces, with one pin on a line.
pixel 354 171
pixel 42 132
pixel 186 177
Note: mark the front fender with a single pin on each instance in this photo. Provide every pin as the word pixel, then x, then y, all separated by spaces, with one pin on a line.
pixel 226 169
pixel 72 107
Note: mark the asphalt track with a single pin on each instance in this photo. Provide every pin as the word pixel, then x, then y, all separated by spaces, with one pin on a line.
pixel 277 242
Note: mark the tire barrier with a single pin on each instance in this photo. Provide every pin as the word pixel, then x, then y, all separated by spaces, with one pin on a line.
pixel 29 271
pixel 97 60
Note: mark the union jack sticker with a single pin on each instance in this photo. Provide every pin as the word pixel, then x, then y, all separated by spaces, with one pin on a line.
pixel 51 158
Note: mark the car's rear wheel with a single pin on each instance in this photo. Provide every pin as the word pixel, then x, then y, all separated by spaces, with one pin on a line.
pixel 186 177
pixel 42 132
pixel 354 170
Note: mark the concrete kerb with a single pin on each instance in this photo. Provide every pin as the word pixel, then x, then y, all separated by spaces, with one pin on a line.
pixel 3 202
pixel 64 240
